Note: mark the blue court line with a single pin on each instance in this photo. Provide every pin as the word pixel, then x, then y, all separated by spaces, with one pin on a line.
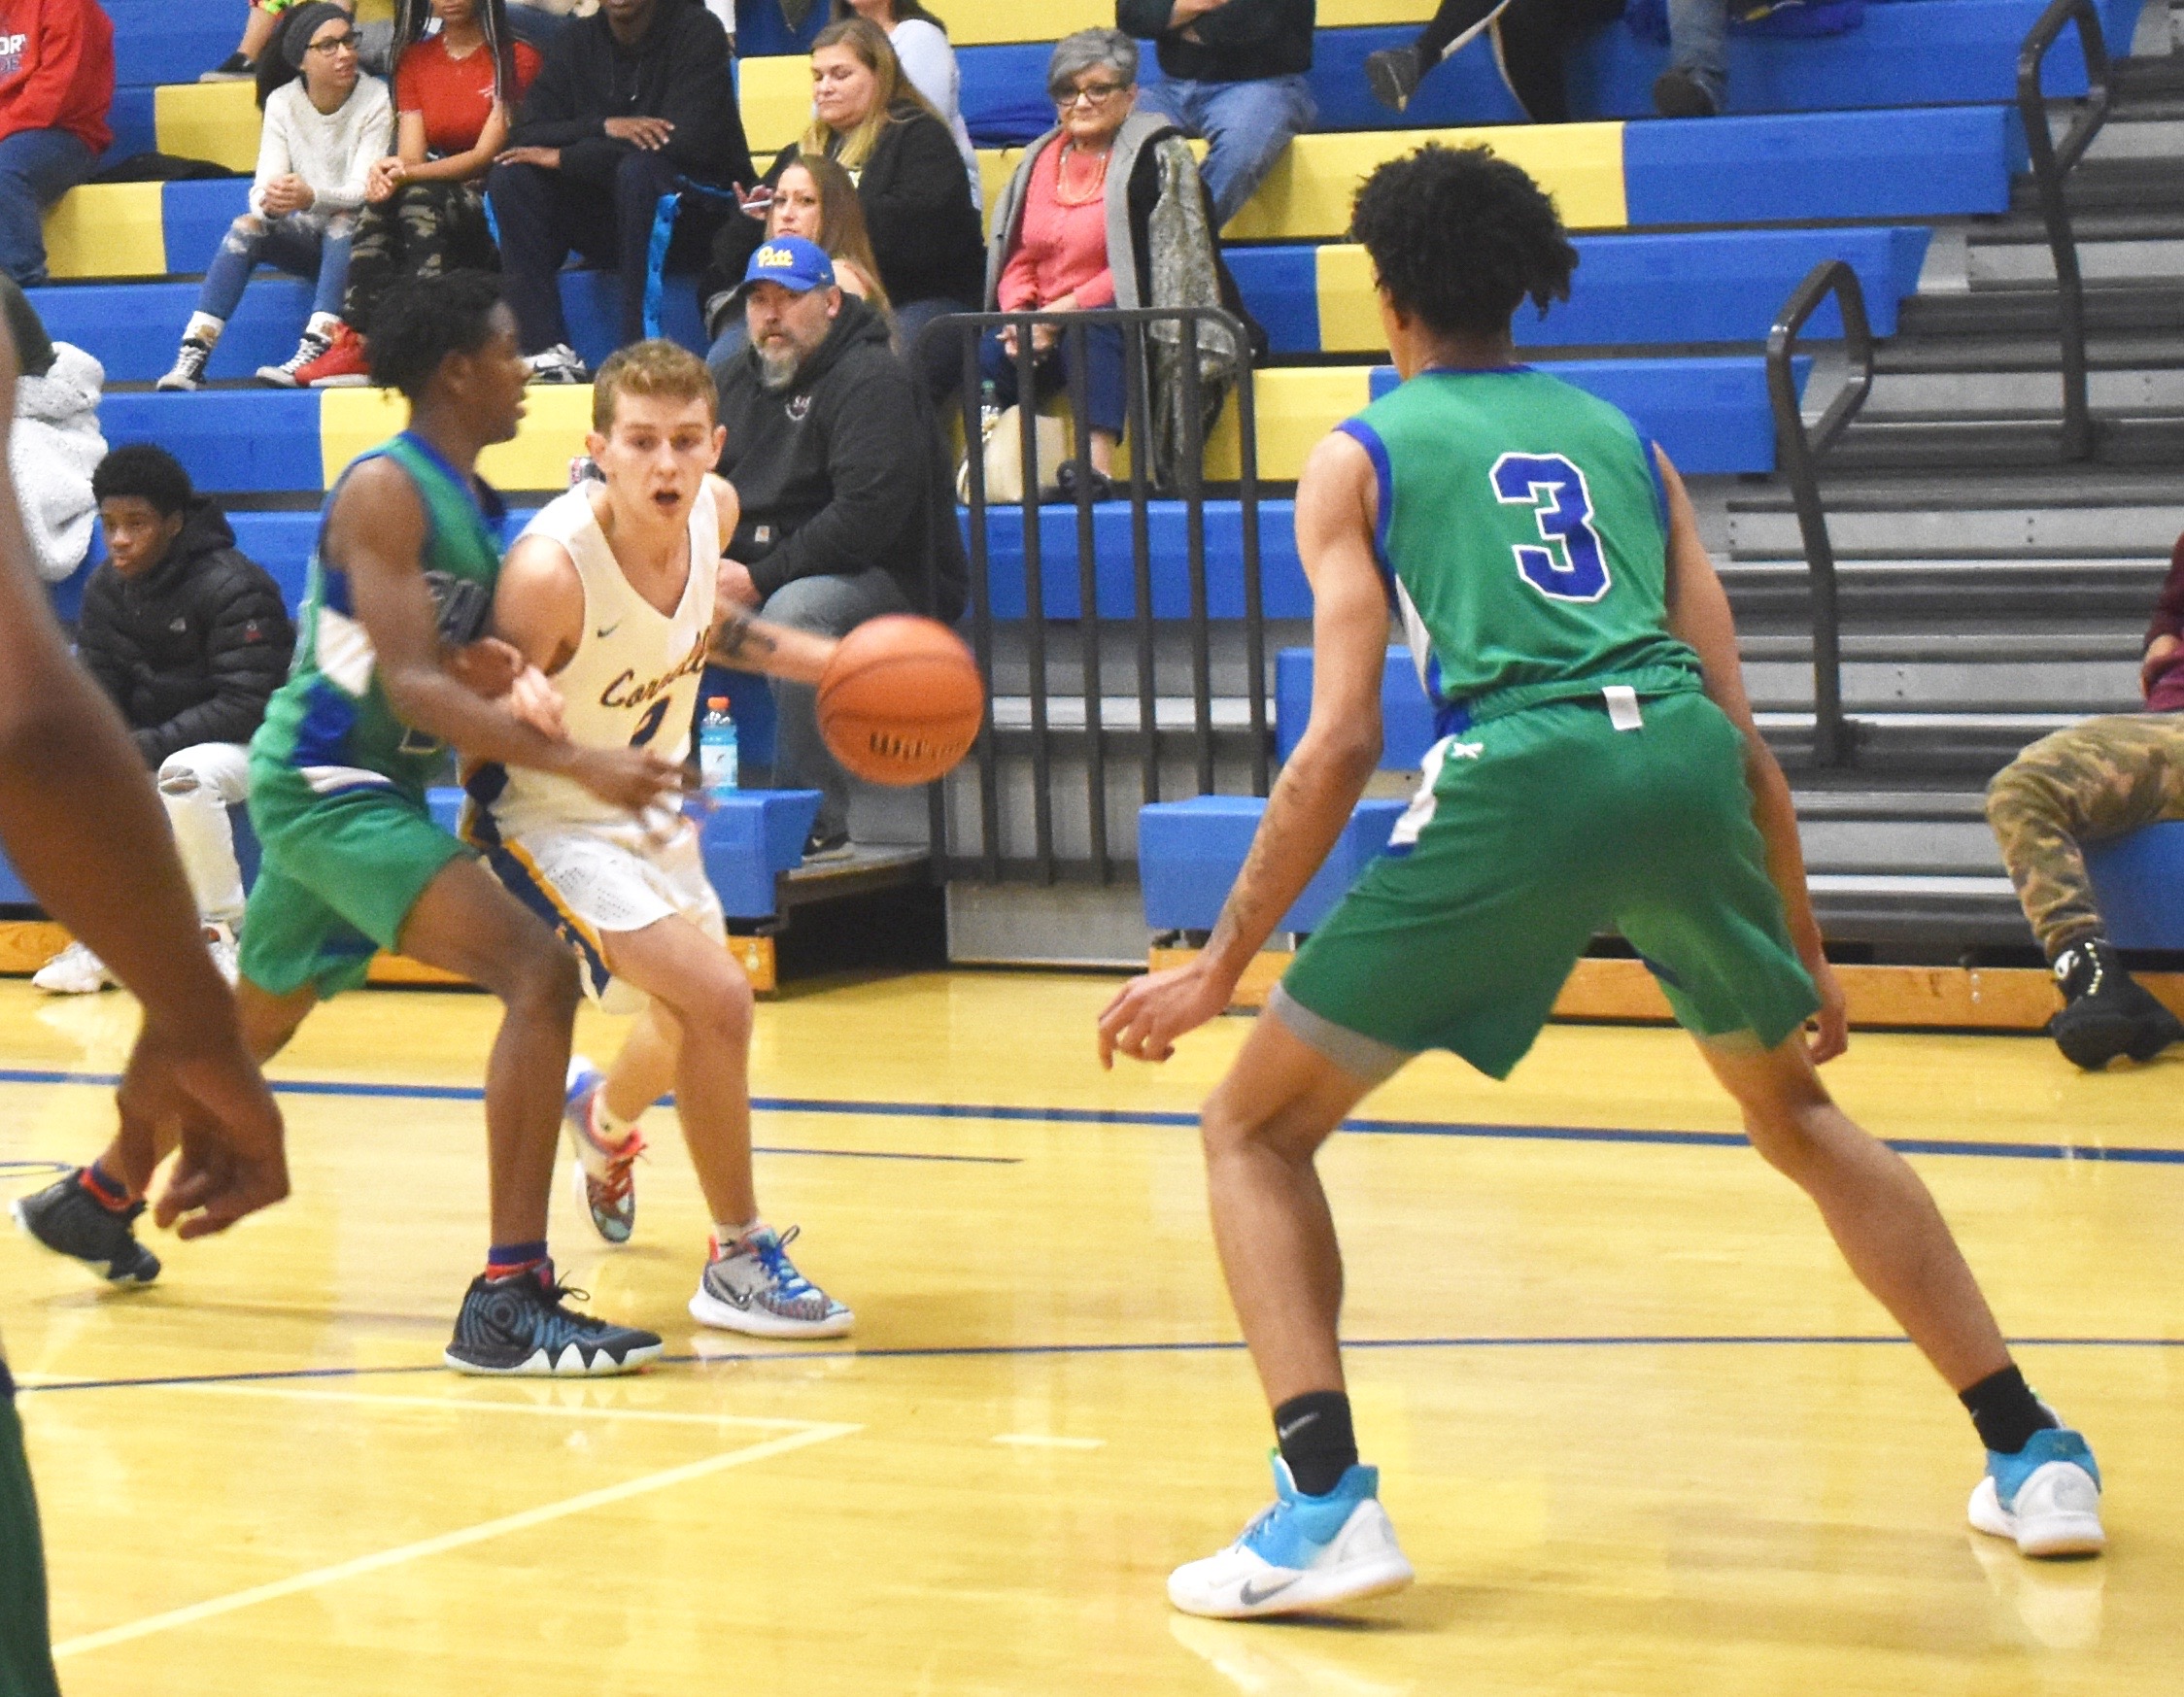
pixel 1101 1116
pixel 1207 1346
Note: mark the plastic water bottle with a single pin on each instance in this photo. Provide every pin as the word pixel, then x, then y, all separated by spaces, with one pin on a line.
pixel 989 407
pixel 717 758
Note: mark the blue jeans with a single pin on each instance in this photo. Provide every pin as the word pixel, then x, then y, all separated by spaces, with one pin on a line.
pixel 37 167
pixel 1105 394
pixel 831 606
pixel 299 249
pixel 1697 36
pixel 1247 123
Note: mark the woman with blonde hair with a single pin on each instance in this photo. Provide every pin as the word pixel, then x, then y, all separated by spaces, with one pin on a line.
pixel 815 199
pixel 911 185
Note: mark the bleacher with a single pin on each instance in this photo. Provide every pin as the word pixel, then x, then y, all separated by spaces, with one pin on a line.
pixel 1860 147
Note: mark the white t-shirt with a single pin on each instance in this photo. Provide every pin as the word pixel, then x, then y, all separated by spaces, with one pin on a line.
pixel 930 63
pixel 330 150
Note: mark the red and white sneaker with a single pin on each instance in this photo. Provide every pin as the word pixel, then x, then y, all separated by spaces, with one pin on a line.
pixel 603 1173
pixel 343 365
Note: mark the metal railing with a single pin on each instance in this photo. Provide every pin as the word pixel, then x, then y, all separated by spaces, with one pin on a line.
pixel 1798 448
pixel 1183 478
pixel 2052 164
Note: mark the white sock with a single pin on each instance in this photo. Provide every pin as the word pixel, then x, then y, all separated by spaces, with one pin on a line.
pixel 204 328
pixel 322 323
pixel 730 1238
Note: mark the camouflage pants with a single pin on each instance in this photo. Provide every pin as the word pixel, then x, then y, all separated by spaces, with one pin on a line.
pixel 2094 781
pixel 420 230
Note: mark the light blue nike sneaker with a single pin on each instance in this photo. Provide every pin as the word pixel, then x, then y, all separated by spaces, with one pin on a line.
pixel 2046 1497
pixel 1302 1553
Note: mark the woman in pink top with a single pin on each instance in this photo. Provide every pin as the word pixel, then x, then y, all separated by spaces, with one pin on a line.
pixel 1075 231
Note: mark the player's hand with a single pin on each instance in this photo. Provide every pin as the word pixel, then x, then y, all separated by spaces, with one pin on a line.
pixel 487 666
pixel 209 1098
pixel 1828 1032
pixel 649 133
pixel 735 584
pixel 630 778
pixel 1149 1013
pixel 533 698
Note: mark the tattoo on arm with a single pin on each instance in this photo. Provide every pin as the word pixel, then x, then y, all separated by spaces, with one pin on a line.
pixel 739 638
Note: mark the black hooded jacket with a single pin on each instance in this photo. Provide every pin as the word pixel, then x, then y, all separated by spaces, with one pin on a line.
pixel 844 470
pixel 679 71
pixel 191 651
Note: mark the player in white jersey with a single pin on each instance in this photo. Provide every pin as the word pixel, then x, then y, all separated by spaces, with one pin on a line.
pixel 611 592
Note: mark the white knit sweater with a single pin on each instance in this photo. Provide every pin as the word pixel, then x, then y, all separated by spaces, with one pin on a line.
pixel 331 151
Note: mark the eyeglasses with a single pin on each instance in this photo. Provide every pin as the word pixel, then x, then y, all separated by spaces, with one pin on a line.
pixel 335 45
pixel 1097 94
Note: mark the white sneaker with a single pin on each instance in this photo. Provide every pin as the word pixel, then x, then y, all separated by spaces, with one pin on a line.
pixel 188 372
pixel 74 971
pixel 220 943
pixel 755 1288
pixel 1302 1553
pixel 560 363
pixel 2046 1497
pixel 283 375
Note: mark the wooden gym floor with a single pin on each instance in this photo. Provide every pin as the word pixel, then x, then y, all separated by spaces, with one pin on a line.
pixel 1639 1431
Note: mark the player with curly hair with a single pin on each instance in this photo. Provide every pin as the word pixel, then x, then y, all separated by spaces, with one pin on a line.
pixel 1597 769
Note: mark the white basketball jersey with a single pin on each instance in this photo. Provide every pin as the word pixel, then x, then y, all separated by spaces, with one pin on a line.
pixel 634 676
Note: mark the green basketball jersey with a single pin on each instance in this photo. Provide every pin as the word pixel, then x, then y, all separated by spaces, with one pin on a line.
pixel 330 721
pixel 1525 529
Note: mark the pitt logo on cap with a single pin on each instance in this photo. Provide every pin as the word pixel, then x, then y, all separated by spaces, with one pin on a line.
pixel 772 258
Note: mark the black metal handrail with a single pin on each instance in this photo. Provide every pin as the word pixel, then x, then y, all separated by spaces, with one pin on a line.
pixel 1136 325
pixel 2052 165
pixel 1798 448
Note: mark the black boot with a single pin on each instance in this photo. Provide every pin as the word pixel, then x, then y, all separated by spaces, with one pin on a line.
pixel 2106 1014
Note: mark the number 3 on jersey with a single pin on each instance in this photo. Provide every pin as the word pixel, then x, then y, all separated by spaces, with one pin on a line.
pixel 1573 566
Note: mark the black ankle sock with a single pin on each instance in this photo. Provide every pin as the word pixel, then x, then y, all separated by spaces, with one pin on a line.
pixel 2005 1410
pixel 1317 1442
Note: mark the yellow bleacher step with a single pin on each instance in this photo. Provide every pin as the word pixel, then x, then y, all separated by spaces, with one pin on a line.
pixel 774 95
pixel 1349 315
pixel 977 22
pixel 556 418
pixel 1296 406
pixel 107 230
pixel 209 120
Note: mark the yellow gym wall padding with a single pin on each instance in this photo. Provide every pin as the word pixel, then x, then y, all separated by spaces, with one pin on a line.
pixel 556 418
pixel 107 230
pixel 209 120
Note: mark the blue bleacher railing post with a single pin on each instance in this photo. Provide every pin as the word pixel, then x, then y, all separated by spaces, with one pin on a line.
pixel 1796 451
pixel 2052 165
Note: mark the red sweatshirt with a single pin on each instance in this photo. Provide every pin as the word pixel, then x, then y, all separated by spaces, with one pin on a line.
pixel 56 69
pixel 2165 689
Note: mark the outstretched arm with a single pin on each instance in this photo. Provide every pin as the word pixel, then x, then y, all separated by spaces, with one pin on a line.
pixel 1698 612
pixel 749 644
pixel 84 827
pixel 1319 786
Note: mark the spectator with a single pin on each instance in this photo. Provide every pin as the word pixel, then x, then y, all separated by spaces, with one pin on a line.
pixel 539 21
pixel 2088 784
pixel 812 198
pixel 57 81
pixel 190 639
pixel 56 445
pixel 843 474
pixel 910 180
pixel 920 42
pixel 1696 83
pixel 1232 73
pixel 627 103
pixel 1532 41
pixel 324 128
pixel 1058 245
pixel 425 209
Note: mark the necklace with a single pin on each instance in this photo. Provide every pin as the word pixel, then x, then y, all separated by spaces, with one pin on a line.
pixel 1068 194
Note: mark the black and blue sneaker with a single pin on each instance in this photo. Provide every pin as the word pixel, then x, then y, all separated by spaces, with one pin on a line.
pixel 69 1220
pixel 520 1325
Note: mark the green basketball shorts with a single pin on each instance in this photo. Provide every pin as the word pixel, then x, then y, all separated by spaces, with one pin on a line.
pixel 339 876
pixel 26 1659
pixel 1531 835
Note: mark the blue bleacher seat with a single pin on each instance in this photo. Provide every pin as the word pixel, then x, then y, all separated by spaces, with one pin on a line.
pixel 1284 591
pixel 157 40
pixel 749 839
pixel 253 441
pixel 1406 715
pixel 2138 881
pixel 1189 853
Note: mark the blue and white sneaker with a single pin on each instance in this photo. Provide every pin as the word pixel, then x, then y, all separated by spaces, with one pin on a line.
pixel 1303 1553
pixel 2046 1497
pixel 752 1286
pixel 522 1325
pixel 604 1174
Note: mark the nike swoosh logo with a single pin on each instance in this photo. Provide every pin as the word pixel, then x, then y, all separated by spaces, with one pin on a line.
pixel 602 635
pixel 1285 1433
pixel 1251 1596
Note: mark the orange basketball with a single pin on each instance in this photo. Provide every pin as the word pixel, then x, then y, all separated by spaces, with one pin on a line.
pixel 901 701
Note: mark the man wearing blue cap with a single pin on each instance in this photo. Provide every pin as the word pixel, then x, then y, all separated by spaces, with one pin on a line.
pixel 847 514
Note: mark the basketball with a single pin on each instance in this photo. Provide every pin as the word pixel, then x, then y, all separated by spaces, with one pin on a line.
pixel 901 701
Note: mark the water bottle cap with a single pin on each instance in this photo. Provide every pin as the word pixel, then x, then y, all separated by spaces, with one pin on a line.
pixel 717 703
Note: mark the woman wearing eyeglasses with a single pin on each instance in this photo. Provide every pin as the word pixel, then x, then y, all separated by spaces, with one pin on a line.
pixel 1107 209
pixel 323 127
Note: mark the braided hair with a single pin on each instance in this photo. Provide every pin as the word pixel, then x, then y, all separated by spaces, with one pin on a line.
pixel 412 17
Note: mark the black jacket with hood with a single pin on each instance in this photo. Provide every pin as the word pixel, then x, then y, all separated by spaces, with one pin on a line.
pixel 678 71
pixel 844 470
pixel 191 651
